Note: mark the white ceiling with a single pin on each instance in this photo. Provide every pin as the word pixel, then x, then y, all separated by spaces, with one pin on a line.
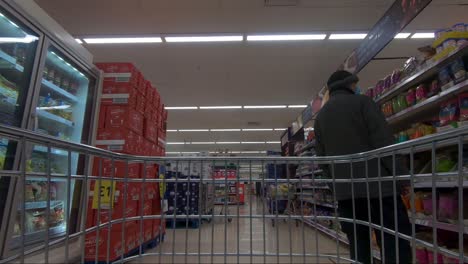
pixel 197 74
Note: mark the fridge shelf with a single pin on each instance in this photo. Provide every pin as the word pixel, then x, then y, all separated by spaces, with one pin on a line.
pixel 58 119
pixel 40 205
pixel 52 150
pixel 59 90
pixel 11 62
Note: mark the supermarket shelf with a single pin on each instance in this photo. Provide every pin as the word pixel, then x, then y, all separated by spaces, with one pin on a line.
pixel 40 205
pixel 426 72
pixel 53 117
pixel 324 204
pixel 310 187
pixel 59 90
pixel 430 103
pixel 52 150
pixel 443 180
pixel 336 235
pixel 10 60
pixel 310 173
pixel 438 225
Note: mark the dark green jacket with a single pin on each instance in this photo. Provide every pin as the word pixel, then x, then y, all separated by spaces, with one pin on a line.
pixel 349 124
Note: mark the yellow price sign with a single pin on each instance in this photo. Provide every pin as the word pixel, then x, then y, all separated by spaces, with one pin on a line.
pixel 106 192
pixel 162 186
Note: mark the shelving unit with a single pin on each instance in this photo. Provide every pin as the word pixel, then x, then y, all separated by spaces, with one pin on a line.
pixel 54 88
pixel 426 72
pixel 57 119
pixel 11 62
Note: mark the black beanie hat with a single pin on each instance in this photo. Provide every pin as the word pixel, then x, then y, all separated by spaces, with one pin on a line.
pixel 340 80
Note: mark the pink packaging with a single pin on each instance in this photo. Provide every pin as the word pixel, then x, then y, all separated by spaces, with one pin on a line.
pixel 411 97
pixel 379 87
pixel 388 82
pixel 430 257
pixel 421 256
pixel 448 206
pixel 421 93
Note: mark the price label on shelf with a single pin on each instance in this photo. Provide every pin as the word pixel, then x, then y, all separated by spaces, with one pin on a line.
pixel 104 193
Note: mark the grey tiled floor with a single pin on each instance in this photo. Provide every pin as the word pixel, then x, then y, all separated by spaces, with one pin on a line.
pixel 236 240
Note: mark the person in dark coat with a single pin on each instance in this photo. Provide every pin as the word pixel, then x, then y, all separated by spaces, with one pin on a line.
pixel 347 124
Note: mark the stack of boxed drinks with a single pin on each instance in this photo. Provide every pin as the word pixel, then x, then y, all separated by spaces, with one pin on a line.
pixel 132 120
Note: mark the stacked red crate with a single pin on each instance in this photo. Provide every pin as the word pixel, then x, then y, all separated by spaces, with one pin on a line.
pixel 130 122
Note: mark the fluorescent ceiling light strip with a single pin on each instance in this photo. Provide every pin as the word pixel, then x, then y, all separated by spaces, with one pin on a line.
pixel 221 107
pixel 257 129
pixel 172 130
pixel 273 142
pixel 26 39
pixel 253 152
pixel 253 142
pixel 176 143
pixel 194 130
pixel 181 107
pixel 122 40
pixel 226 130
pixel 235 152
pixel 287 37
pixel 424 35
pixel 203 143
pixel 190 152
pixel 297 106
pixel 348 36
pixel 402 35
pixel 79 40
pixel 228 142
pixel 205 38
pixel 172 152
pixel 264 106
pixel 280 129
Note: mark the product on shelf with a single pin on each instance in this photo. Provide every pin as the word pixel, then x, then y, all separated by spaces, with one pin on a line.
pixel 463 103
pixel 449 113
pixel 421 93
pixel 458 70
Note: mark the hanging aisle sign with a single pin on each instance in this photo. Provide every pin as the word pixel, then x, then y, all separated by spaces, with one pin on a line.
pixel 397 17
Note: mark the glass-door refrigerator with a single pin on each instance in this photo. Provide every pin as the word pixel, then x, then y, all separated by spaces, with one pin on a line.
pixel 62 107
pixel 20 45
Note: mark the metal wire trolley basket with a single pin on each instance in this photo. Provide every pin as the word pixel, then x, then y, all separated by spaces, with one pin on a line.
pixel 127 208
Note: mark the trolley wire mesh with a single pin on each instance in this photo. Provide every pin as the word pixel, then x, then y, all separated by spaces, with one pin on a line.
pixel 283 222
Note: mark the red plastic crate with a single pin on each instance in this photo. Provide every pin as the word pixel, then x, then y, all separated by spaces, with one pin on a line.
pixel 120 168
pixel 122 116
pixel 120 72
pixel 121 99
pixel 119 140
pixel 102 117
pixel 141 104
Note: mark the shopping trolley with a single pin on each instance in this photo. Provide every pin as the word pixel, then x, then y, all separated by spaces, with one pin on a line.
pixel 129 213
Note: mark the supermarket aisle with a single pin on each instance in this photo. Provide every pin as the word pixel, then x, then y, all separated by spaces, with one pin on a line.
pixel 239 231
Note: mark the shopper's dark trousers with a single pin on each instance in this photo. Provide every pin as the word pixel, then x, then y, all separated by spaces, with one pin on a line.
pixel 364 254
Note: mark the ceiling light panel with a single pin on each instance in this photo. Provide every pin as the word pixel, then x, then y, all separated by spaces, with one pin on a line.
pixel 402 35
pixel 221 107
pixel 226 130
pixel 205 38
pixel 122 40
pixel 203 143
pixel 348 36
pixel 79 40
pixel 425 35
pixel 253 142
pixel 280 129
pixel 181 108
pixel 194 130
pixel 228 142
pixel 257 129
pixel 297 106
pixel 176 143
pixel 171 130
pixel 273 142
pixel 264 106
pixel 288 37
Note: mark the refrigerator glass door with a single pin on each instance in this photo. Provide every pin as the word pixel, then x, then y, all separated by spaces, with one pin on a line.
pixel 18 59
pixel 62 110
